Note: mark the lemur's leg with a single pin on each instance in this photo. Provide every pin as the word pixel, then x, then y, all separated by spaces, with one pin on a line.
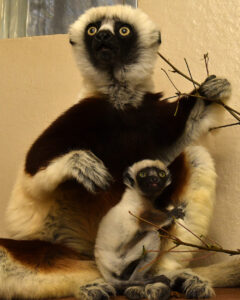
pixel 32 196
pixel 198 197
pixel 82 165
pixel 44 270
pixel 204 114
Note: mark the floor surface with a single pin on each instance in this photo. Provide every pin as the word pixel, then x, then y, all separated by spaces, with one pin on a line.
pixel 221 294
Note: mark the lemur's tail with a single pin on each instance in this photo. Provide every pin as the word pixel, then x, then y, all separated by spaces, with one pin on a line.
pixel 224 274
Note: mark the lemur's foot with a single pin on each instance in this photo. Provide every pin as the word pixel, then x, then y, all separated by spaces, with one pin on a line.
pixel 157 291
pixel 152 291
pixel 99 290
pixel 89 170
pixel 215 88
pixel 155 288
pixel 135 292
pixel 192 286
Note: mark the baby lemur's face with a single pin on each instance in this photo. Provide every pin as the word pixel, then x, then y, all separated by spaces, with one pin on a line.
pixel 152 181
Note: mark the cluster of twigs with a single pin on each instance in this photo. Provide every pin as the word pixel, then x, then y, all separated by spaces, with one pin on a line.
pixel 178 93
pixel 210 246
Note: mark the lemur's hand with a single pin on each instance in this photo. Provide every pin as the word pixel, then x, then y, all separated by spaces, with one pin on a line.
pixel 89 170
pixel 215 88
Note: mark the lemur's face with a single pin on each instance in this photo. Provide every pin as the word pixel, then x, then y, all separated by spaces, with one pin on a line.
pixel 119 39
pixel 111 43
pixel 152 181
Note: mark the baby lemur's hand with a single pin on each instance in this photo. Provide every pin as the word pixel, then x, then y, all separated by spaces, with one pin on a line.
pixel 177 212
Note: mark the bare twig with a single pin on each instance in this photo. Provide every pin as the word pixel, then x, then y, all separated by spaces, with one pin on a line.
pixel 206 59
pixel 190 74
pixel 178 92
pixel 179 242
pixel 176 70
pixel 224 126
pixel 168 98
pixel 232 111
pixel 156 226
pixel 196 236
pixel 211 240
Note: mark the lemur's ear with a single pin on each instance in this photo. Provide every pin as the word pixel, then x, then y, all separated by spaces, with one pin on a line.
pixel 72 42
pixel 127 179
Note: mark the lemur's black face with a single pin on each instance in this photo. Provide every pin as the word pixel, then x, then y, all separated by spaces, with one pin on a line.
pixel 152 180
pixel 110 49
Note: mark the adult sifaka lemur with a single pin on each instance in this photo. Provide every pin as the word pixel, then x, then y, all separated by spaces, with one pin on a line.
pixel 72 173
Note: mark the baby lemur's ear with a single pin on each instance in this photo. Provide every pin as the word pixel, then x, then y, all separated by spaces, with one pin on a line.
pixel 128 179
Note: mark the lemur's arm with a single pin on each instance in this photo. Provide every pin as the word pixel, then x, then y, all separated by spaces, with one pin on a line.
pixel 192 116
pixel 64 151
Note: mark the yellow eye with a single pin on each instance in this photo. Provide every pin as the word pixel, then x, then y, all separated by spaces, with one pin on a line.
pixel 142 174
pixel 92 30
pixel 124 31
pixel 162 174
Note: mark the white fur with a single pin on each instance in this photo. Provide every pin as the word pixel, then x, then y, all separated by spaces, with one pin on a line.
pixel 118 228
pixel 199 198
pixel 131 81
pixel 17 280
pixel 34 201
pixel 33 196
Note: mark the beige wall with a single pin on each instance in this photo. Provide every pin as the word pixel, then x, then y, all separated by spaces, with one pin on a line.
pixel 39 80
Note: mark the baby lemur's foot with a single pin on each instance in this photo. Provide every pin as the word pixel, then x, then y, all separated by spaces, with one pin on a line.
pixel 155 288
pixel 98 290
pixel 152 291
pixel 215 88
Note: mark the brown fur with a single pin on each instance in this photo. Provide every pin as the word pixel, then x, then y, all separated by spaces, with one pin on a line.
pixel 153 216
pixel 44 256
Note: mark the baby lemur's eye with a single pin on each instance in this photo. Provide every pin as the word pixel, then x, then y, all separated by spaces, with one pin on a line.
pixel 162 174
pixel 142 174
pixel 124 31
pixel 92 30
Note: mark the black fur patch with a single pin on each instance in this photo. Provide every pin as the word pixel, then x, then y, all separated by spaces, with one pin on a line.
pixel 108 50
pixel 118 138
pixel 127 272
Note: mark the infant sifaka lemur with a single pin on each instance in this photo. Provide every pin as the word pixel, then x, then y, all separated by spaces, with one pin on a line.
pixel 122 238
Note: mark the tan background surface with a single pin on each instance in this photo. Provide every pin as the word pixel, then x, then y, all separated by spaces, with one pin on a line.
pixel 39 80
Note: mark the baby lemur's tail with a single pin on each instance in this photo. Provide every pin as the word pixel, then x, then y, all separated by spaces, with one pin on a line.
pixel 224 274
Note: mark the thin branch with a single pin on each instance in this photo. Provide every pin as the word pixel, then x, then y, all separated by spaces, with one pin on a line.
pixel 206 59
pixel 179 242
pixel 210 248
pixel 156 226
pixel 168 98
pixel 224 126
pixel 177 107
pixel 175 69
pixel 190 74
pixel 178 92
pixel 232 111
pixel 211 240
pixel 196 236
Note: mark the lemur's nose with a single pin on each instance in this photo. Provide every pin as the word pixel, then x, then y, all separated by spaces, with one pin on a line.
pixel 104 35
pixel 153 179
